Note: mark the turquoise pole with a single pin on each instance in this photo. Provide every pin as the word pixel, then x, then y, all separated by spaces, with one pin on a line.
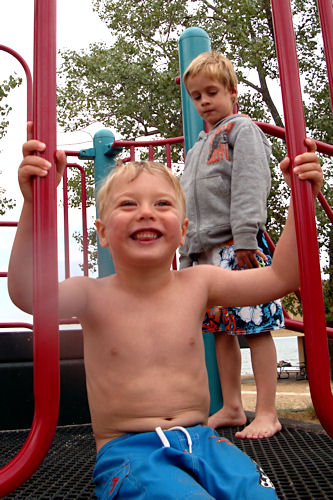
pixel 104 156
pixel 193 42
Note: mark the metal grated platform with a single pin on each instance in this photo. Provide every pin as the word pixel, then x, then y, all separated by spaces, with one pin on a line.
pixel 298 461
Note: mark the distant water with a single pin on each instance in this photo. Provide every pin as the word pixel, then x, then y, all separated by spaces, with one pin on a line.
pixel 286 349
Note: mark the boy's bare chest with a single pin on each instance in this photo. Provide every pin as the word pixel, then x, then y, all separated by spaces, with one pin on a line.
pixel 148 314
pixel 150 322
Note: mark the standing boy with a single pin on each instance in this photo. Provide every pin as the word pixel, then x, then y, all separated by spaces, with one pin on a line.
pixel 144 357
pixel 226 181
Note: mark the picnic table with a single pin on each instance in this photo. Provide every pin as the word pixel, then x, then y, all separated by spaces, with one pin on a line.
pixel 285 369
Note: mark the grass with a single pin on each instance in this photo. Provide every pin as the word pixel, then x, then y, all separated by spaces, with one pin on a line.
pixel 304 415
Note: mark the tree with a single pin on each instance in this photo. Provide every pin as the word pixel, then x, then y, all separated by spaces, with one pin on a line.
pixel 129 86
pixel 5 87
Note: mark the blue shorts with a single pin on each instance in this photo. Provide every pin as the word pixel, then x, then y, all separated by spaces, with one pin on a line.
pixel 195 462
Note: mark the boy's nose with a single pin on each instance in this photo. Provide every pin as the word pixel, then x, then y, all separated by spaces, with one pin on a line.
pixel 146 212
pixel 204 100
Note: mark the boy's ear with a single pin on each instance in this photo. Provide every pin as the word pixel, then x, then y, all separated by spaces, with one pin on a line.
pixel 100 228
pixel 184 229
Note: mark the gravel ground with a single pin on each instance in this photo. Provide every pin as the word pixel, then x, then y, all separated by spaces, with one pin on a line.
pixel 292 398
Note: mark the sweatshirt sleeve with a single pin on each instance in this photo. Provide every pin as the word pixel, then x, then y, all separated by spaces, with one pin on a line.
pixel 250 185
pixel 185 261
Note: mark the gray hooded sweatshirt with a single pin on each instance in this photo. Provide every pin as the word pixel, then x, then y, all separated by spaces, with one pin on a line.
pixel 226 181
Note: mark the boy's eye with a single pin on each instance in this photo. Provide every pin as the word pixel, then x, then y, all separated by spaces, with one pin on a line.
pixel 163 203
pixel 127 203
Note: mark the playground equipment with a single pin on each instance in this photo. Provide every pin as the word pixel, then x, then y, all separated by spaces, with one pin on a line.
pixel 46 343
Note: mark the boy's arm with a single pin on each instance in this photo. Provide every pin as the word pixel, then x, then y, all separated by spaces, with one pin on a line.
pixel 250 183
pixel 20 271
pixel 307 167
pixel 249 188
pixel 257 286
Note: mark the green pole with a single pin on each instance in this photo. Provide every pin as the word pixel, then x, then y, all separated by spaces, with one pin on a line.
pixel 104 156
pixel 193 42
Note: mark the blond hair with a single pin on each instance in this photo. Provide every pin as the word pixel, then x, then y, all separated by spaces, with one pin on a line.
pixel 216 66
pixel 133 169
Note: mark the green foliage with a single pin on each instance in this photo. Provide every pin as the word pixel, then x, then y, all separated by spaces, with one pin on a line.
pixel 129 86
pixel 5 87
pixel 121 87
pixel 292 305
pixel 328 283
pixel 5 203
pixel 92 247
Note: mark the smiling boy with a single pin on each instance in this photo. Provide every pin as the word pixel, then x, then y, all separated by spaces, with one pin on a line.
pixel 144 357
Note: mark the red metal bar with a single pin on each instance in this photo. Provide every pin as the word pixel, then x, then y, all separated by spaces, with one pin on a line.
pixel 168 155
pixel 326 207
pixel 268 128
pixel 84 215
pixel 325 9
pixel 66 225
pixel 298 326
pixel 8 223
pixel 17 324
pixel 46 346
pixel 275 131
pixel 310 277
pixel 28 77
pixel 157 142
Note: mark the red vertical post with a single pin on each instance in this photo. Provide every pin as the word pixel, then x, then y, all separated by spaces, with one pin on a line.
pixel 66 224
pixel 46 347
pixel 310 276
pixel 325 9
pixel 46 339
pixel 151 152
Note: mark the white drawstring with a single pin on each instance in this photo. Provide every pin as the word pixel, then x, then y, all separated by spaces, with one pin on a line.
pixel 165 440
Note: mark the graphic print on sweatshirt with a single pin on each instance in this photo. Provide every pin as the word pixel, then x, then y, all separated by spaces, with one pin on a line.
pixel 218 144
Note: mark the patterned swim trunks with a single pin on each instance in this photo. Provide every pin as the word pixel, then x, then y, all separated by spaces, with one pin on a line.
pixel 242 320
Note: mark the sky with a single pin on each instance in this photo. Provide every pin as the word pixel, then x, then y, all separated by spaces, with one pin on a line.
pixel 77 26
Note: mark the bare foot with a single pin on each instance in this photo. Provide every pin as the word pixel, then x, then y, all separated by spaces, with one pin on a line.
pixel 263 426
pixel 227 417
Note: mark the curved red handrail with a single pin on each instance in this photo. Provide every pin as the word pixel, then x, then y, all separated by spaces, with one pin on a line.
pixel 28 77
pixel 46 343
pixel 310 277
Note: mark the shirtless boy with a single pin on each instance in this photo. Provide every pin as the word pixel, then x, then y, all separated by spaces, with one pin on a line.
pixel 144 355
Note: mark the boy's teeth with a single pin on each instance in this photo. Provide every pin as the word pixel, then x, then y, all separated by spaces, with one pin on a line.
pixel 145 236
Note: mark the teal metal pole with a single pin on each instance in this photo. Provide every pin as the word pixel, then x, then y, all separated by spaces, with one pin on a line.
pixel 104 156
pixel 193 42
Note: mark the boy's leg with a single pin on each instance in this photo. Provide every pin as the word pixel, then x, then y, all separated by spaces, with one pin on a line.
pixel 139 466
pixel 263 356
pixel 229 363
pixel 225 471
